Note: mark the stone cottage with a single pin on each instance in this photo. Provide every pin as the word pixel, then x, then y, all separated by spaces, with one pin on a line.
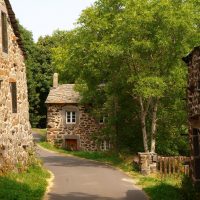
pixel 69 125
pixel 15 135
pixel 193 103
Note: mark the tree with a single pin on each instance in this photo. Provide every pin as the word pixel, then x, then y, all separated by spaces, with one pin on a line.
pixel 39 76
pixel 133 48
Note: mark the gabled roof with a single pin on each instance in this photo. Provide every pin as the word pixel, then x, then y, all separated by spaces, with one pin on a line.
pixel 63 94
pixel 14 25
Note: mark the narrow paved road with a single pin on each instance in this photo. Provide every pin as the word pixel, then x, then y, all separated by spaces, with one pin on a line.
pixel 80 179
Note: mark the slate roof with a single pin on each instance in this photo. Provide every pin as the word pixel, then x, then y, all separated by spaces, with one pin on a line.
pixel 63 94
pixel 14 25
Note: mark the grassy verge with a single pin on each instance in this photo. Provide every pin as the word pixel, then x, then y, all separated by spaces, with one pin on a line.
pixel 156 187
pixel 29 185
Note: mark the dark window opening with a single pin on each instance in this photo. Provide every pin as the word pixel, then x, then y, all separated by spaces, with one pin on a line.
pixel 1 83
pixel 197 167
pixel 196 146
pixel 13 89
pixel 198 85
pixel 195 131
pixel 4 32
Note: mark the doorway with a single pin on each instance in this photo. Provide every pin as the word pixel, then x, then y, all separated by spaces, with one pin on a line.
pixel 71 144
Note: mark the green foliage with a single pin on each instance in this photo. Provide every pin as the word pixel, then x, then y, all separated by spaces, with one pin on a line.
pixel 122 51
pixel 150 87
pixel 134 49
pixel 27 185
pixel 39 75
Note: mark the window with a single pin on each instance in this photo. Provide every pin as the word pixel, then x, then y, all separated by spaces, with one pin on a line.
pixel 103 119
pixel 197 167
pixel 4 32
pixel 1 82
pixel 71 117
pixel 13 89
pixel 105 145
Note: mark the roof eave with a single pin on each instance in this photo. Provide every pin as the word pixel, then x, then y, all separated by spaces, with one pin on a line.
pixel 15 27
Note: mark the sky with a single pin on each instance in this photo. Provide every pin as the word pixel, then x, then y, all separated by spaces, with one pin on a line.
pixel 42 17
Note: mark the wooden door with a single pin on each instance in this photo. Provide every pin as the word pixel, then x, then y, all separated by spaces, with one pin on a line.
pixel 71 144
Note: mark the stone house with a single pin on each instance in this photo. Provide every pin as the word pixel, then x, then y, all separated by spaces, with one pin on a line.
pixel 15 134
pixel 69 125
pixel 193 104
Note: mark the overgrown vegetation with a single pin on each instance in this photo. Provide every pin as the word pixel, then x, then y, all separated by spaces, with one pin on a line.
pixel 29 185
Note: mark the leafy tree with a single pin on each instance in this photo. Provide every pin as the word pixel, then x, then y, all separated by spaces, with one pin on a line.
pixel 134 48
pixel 39 76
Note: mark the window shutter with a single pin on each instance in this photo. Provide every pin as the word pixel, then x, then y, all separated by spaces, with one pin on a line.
pixel 13 88
pixel 4 32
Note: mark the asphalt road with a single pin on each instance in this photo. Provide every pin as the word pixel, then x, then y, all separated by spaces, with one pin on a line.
pixel 80 179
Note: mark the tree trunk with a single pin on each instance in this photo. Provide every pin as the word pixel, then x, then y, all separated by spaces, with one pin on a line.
pixel 144 132
pixel 143 114
pixel 154 126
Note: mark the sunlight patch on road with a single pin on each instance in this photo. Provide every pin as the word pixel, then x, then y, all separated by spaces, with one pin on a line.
pixel 128 180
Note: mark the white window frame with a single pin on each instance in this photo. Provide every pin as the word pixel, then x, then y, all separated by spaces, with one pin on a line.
pixel 70 117
pixel 105 145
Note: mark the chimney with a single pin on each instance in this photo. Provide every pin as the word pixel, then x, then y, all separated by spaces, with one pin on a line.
pixel 55 80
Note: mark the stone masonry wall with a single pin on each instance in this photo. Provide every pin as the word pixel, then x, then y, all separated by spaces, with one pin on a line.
pixel 193 91
pixel 15 134
pixel 193 103
pixel 57 129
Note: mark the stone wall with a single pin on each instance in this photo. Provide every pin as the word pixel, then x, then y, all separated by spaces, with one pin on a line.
pixel 15 134
pixel 193 91
pixel 58 130
pixel 193 104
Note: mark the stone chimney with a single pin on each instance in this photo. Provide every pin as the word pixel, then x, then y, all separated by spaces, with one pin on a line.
pixel 55 80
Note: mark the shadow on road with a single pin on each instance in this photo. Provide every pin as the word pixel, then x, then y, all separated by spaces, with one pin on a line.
pixel 130 195
pixel 72 162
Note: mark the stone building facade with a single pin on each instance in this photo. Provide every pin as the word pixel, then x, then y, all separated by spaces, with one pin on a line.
pixel 193 103
pixel 15 134
pixel 69 125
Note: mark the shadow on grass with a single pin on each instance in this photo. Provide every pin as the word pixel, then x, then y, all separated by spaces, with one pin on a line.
pixel 163 191
pixel 13 190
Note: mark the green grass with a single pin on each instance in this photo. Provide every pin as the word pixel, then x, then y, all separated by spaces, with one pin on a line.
pixel 162 188
pixel 155 186
pixel 29 185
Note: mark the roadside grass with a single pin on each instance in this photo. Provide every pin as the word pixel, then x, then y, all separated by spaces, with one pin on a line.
pixel 155 186
pixel 29 185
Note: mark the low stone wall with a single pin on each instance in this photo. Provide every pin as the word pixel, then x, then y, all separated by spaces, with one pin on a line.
pixel 147 163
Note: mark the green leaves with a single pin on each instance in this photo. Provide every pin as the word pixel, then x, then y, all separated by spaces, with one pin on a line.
pixel 150 87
